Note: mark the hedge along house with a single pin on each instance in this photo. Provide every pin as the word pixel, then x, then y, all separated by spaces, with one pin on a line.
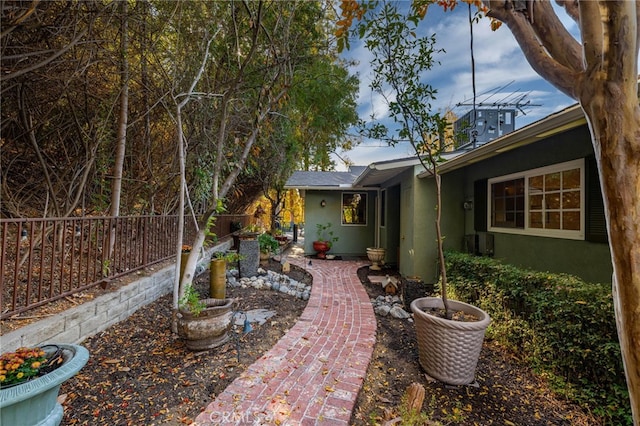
pixel 530 198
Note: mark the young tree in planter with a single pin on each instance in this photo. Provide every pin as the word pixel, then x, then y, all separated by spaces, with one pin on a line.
pixel 401 62
pixel 600 71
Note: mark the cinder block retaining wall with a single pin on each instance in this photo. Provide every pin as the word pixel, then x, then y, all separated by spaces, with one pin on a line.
pixel 76 324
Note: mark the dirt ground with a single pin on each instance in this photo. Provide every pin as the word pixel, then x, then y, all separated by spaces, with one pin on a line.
pixel 139 373
pixel 505 392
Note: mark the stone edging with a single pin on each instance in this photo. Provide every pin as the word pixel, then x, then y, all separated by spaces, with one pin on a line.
pixel 76 324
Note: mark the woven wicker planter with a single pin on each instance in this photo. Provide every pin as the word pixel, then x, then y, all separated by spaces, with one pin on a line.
pixel 449 350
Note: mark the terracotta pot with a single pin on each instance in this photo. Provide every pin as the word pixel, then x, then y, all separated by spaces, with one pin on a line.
pixel 208 329
pixel 321 248
pixel 376 256
pixel 448 349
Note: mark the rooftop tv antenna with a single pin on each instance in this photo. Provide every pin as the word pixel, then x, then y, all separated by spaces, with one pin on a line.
pixel 515 100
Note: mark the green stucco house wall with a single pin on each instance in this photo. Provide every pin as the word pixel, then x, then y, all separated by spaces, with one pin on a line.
pixel 529 198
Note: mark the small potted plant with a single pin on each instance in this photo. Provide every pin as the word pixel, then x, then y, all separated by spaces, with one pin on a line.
pixel 268 246
pixel 30 380
pixel 324 239
pixel 203 323
pixel 278 234
pixel 250 232
pixel 190 301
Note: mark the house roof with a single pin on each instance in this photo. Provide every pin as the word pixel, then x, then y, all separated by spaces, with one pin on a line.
pixel 324 180
pixel 561 121
pixel 377 173
pixel 372 175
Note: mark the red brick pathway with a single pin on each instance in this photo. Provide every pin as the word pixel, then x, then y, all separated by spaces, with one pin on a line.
pixel 312 376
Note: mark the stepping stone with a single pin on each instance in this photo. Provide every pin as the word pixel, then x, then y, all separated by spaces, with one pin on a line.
pixel 377 279
pixel 255 315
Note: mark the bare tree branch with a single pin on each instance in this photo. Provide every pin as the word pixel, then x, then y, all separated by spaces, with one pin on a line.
pixel 9 76
pixel 555 38
pixel 591 28
pixel 536 54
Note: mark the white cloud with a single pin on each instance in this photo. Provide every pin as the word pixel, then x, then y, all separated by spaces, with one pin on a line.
pixel 502 74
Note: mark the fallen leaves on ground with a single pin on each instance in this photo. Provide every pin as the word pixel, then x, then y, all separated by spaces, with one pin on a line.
pixel 505 392
pixel 140 373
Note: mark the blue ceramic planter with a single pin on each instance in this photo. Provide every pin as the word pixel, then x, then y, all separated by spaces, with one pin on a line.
pixel 34 403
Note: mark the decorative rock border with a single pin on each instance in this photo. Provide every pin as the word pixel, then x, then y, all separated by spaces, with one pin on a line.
pixel 269 280
pixel 390 305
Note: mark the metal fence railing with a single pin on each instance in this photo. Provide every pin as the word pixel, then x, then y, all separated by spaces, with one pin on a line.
pixel 43 260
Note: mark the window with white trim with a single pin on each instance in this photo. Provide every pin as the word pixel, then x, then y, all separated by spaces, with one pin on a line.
pixel 548 201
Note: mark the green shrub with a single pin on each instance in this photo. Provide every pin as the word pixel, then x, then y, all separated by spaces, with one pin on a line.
pixel 268 244
pixel 562 326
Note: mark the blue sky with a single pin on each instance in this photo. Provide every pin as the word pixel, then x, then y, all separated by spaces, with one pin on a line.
pixel 502 73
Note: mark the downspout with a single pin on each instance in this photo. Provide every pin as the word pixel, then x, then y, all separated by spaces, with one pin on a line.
pixel 378 215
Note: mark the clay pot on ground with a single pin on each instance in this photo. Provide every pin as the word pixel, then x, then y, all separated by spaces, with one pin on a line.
pixel 449 349
pixel 321 248
pixel 208 329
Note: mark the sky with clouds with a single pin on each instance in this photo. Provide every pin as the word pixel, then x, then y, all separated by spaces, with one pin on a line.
pixel 502 75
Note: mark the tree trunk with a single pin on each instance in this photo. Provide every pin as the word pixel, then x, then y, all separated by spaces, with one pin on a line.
pixel 613 115
pixel 116 186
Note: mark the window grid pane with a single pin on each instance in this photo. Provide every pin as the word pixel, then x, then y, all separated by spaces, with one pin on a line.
pixel 507 201
pixel 554 200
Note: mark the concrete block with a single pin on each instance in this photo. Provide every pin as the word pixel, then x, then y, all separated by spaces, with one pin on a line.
pixel 91 326
pixel 129 291
pixel 71 335
pixel 79 314
pixel 136 302
pixel 115 310
pixel 165 274
pixel 104 302
pixel 146 284
pixel 10 342
pixel 32 334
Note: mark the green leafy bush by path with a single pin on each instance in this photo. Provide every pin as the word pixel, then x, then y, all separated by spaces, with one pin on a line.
pixel 562 326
